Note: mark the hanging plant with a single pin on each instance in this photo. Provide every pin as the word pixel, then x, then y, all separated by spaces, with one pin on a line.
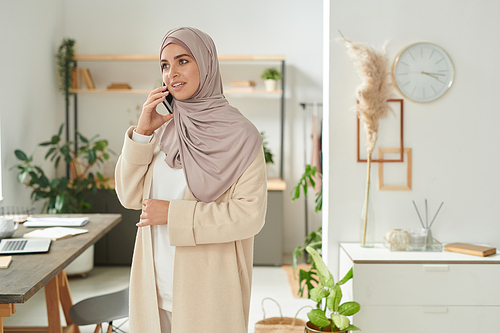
pixel 65 60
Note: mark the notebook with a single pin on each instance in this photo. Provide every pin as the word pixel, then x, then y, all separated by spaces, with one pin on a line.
pixel 24 246
pixel 39 222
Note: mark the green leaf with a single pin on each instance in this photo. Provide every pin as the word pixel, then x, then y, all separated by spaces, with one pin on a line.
pixel 346 278
pixel 341 321
pixel 333 300
pixel 349 308
pixel 58 159
pixel 60 129
pixel 48 143
pixel 20 155
pixel 43 181
pixel 318 293
pixel 55 139
pixel 352 328
pixel 60 202
pixel 22 176
pixel 324 274
pixel 51 150
pixel 91 156
pixel 84 139
pixel 318 318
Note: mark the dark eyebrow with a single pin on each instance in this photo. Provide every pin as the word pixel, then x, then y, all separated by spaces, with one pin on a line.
pixel 177 57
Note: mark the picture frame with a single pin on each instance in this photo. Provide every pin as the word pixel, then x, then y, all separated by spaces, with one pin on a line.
pixel 407 187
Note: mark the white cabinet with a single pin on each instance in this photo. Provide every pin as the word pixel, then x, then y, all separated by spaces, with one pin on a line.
pixel 422 291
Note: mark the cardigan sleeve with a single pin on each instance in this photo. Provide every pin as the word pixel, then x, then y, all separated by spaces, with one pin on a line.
pixel 240 217
pixel 131 170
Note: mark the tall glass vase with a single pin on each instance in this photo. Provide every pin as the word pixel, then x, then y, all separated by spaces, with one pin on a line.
pixel 367 234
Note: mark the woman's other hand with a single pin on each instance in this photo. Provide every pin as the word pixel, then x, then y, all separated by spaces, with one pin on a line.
pixel 154 212
pixel 150 120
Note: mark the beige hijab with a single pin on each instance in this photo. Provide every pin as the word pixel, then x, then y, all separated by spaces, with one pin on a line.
pixel 208 138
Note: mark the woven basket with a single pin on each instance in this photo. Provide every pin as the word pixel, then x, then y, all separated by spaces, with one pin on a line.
pixel 279 324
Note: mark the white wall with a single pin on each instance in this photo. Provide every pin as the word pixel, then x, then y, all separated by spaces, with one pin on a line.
pixel 289 27
pixel 30 104
pixel 454 139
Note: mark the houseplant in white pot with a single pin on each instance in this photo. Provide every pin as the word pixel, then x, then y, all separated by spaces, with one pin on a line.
pixel 271 76
pixel 328 295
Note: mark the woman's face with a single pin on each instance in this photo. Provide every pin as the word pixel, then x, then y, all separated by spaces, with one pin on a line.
pixel 179 71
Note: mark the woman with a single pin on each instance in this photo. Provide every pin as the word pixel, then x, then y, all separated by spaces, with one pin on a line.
pixel 207 146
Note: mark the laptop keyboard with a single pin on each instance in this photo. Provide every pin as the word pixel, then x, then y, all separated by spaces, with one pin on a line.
pixel 17 245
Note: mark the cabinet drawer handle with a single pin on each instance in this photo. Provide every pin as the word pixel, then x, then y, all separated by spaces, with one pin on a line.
pixel 436 268
pixel 435 309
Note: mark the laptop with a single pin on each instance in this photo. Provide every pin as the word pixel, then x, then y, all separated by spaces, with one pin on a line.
pixel 24 245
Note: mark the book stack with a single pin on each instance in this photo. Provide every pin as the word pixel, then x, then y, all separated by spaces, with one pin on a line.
pixel 119 86
pixel 243 85
pixel 79 74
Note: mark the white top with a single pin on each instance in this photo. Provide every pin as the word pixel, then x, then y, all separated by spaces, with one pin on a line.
pixel 167 184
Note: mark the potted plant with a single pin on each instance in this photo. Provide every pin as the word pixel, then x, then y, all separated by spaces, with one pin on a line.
pixel 65 61
pixel 65 195
pixel 328 296
pixel 271 77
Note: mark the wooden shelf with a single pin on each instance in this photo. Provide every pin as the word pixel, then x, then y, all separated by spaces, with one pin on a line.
pixel 273 184
pixel 144 91
pixel 276 184
pixel 154 57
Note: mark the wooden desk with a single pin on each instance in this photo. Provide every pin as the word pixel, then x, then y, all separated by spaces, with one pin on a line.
pixel 27 274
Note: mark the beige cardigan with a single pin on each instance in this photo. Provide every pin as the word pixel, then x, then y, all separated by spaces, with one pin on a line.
pixel 214 248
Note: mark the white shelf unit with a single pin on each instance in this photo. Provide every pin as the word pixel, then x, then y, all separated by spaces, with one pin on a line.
pixel 276 184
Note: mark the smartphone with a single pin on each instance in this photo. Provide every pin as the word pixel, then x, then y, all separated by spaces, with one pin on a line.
pixel 168 101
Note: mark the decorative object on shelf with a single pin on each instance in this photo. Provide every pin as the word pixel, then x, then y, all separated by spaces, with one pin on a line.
pixel 423 72
pixel 65 195
pixel 242 85
pixel 367 218
pixel 271 76
pixel 87 78
pixel 65 60
pixel 372 94
pixel 398 238
pixel 329 295
pixel 422 239
pixel 381 186
pixel 401 132
pixel 119 86
pixel 279 324
pixel 475 250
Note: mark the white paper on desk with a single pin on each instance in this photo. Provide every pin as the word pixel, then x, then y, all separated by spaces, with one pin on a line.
pixel 38 222
pixel 55 233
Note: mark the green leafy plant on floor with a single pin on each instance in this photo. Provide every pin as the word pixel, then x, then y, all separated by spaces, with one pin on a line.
pixel 328 296
pixel 65 195
pixel 308 278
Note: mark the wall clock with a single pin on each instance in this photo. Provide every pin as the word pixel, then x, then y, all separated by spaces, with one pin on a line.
pixel 423 72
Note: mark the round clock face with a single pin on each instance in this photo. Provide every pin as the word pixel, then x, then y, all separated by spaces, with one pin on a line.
pixel 423 72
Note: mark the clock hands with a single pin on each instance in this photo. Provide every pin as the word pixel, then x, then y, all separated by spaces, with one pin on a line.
pixel 432 74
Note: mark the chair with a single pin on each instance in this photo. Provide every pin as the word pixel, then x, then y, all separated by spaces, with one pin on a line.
pixel 101 309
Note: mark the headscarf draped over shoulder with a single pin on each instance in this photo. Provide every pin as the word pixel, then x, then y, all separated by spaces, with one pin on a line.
pixel 208 138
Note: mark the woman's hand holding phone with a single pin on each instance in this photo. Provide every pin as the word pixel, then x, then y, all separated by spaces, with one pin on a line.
pixel 150 120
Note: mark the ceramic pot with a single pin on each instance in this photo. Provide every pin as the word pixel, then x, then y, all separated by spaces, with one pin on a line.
pixel 7 227
pixel 271 85
pixel 311 328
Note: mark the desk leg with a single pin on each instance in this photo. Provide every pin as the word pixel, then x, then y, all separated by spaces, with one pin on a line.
pixel 52 300
pixel 66 301
pixel 6 310
pixel 57 291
